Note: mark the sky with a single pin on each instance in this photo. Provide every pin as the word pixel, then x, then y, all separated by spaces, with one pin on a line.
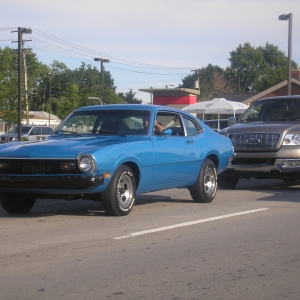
pixel 150 43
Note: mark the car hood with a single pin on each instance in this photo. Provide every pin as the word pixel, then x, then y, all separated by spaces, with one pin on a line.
pixel 58 148
pixel 271 127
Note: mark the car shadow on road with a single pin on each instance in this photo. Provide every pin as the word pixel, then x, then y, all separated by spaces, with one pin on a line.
pixel 146 199
pixel 277 190
pixel 85 208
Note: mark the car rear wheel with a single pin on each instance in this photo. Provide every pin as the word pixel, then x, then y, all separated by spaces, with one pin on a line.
pixel 227 182
pixel 15 203
pixel 205 188
pixel 119 196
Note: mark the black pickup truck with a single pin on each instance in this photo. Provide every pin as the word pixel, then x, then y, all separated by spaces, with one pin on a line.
pixel 266 141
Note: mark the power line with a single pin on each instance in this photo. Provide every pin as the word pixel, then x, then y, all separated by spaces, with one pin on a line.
pixel 118 59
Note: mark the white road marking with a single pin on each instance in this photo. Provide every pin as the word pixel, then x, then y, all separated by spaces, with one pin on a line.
pixel 188 223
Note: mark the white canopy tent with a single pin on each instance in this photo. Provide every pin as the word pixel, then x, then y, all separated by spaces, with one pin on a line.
pixel 217 106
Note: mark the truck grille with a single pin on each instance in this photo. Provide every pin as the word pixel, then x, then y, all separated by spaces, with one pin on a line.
pixel 36 166
pixel 253 161
pixel 255 141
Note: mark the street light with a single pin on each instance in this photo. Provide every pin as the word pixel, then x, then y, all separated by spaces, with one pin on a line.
pixel 96 98
pixel 102 60
pixel 284 18
pixel 197 81
pixel 169 85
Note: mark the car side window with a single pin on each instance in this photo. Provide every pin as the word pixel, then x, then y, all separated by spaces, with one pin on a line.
pixel 172 121
pixel 191 126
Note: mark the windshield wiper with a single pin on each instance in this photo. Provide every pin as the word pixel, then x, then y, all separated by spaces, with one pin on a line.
pixel 66 131
pixel 112 132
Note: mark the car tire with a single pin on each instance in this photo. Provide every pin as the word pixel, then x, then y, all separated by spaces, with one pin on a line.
pixel 119 196
pixel 205 188
pixel 227 182
pixel 15 203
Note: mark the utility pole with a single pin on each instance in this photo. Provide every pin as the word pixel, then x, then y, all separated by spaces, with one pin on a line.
pixel 51 74
pixel 20 36
pixel 25 80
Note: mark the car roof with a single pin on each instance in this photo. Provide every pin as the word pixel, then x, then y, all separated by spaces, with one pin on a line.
pixel 279 98
pixel 149 107
pixel 25 125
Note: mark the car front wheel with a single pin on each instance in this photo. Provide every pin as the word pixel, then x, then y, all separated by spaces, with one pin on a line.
pixel 119 196
pixel 15 203
pixel 205 188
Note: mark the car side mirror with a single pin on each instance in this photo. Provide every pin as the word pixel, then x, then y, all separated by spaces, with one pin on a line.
pixel 167 131
pixel 231 121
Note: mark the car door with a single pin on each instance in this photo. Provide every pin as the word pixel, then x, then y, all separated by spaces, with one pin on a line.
pixel 174 156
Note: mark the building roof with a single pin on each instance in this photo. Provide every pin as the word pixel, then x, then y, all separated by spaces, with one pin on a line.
pixel 236 97
pixel 171 92
pixel 271 90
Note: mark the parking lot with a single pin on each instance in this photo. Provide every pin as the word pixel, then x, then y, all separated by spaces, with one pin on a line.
pixel 245 244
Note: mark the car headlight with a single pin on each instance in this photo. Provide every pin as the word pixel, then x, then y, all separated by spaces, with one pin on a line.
pixel 86 164
pixel 291 139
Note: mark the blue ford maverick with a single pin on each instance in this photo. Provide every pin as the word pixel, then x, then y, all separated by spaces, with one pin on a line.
pixel 109 154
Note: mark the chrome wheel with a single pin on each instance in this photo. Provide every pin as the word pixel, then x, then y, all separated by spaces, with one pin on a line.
pixel 119 196
pixel 205 188
pixel 209 181
pixel 125 190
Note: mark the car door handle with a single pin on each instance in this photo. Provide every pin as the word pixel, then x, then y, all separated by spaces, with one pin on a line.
pixel 190 141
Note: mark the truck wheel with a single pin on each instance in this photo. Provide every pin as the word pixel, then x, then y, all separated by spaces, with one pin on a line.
pixel 205 188
pixel 227 182
pixel 15 203
pixel 119 196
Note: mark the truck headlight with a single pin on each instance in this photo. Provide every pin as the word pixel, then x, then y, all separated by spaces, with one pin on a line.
pixel 291 139
pixel 86 164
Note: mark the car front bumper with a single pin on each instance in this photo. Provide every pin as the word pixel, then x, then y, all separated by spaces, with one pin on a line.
pixel 281 168
pixel 50 183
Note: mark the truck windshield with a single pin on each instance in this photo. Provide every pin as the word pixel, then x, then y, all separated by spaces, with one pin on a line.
pixel 24 129
pixel 272 110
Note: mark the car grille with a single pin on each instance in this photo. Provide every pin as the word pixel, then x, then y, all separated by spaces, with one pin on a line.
pixel 255 141
pixel 36 166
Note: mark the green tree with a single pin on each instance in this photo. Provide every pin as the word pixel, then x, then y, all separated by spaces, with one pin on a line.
pixel 212 82
pixel 188 82
pixel 8 79
pixel 69 102
pixel 129 97
pixel 258 68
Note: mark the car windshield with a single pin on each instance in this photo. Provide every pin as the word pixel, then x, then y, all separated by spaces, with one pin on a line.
pixel 272 110
pixel 129 122
pixel 24 130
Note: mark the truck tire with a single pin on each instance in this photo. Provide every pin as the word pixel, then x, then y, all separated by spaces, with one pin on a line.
pixel 227 182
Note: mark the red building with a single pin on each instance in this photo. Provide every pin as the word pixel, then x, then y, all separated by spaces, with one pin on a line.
pixel 177 98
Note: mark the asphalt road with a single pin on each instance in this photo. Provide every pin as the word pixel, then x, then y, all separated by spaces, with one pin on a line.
pixel 243 245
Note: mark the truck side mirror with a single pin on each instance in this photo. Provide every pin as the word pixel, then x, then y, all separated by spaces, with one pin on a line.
pixel 231 121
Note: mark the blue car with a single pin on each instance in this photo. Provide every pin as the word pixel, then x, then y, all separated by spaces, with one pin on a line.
pixel 110 154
